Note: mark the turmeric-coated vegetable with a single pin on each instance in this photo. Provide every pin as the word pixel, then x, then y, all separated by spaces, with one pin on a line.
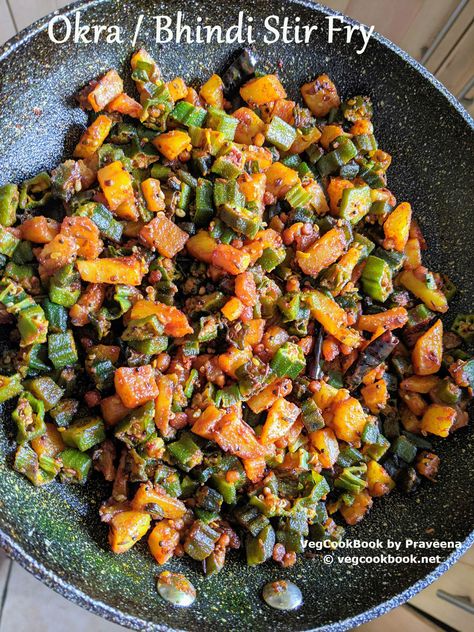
pixel 415 281
pixel 224 313
pixel 427 354
pixel 397 227
pixel 438 420
pixel 116 270
pixel 135 385
pixel 280 418
pixel 262 90
pixel 172 144
pixel 93 137
pixel 116 185
pixel 126 528
pixel 163 234
pixel 107 88
pixel 323 252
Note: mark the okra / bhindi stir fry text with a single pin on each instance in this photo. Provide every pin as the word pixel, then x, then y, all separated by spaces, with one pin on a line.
pixel 219 306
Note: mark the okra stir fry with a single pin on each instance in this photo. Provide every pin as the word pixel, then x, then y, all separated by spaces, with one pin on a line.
pixel 218 306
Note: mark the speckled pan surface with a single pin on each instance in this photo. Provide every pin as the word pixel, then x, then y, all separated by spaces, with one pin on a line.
pixel 55 532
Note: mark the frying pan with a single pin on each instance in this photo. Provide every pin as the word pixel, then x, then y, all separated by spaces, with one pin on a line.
pixel 54 532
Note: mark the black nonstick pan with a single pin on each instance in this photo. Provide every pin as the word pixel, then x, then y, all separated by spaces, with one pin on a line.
pixel 54 532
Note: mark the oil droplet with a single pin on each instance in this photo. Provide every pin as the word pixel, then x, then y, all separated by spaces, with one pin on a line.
pixel 282 595
pixel 176 589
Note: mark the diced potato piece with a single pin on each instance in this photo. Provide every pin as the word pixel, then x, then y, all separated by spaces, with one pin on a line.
pixel 283 108
pixel 163 404
pixel 375 396
pixel 254 331
pixel 177 88
pixel 154 196
pixel 50 444
pixel 163 540
pixel 125 105
pixel 361 505
pixel 320 96
pixel 201 246
pixel 39 229
pixel 318 200
pixel 250 124
pixel 108 87
pixel 349 420
pixel 273 338
pixel 427 354
pixel 113 409
pixel 261 155
pixel 262 90
pixel 413 255
pixel 379 482
pixel 336 188
pixel 266 397
pixel 233 435
pixel 325 251
pixel 414 401
pixel 213 92
pixel 409 420
pixel 330 133
pixel 163 234
pixel 232 359
pixel 116 184
pixel 327 447
pixel 232 309
pixel 86 235
pixel 205 424
pixel 255 468
pixel 280 179
pixel 57 253
pixel 253 187
pixel 433 298
pixel 333 318
pixel 438 420
pixel 280 418
pixel 391 319
pixel 304 140
pixel 126 528
pixel 174 321
pixel 326 394
pixel 135 385
pixel 419 384
pixel 246 288
pixel 115 270
pixel 397 227
pixel 93 137
pixel 147 495
pixel 230 259
pixel 172 144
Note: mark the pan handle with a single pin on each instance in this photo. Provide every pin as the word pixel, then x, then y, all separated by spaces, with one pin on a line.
pixel 457 600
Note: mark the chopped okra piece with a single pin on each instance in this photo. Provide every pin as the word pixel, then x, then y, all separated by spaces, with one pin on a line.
pixel 29 418
pixel 288 361
pixel 137 426
pixel 76 466
pixel 377 279
pixel 10 386
pixel 62 349
pixel 45 389
pixel 9 198
pixel 200 540
pixel 84 434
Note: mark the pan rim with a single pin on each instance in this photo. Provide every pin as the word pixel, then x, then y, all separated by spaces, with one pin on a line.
pixel 15 550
